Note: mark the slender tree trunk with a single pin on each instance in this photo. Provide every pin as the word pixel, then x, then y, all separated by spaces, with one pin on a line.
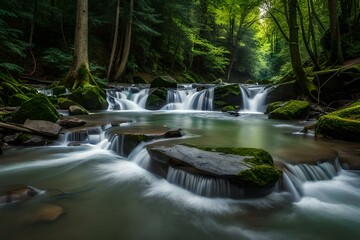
pixel 127 44
pixel 32 35
pixel 62 26
pixel 296 62
pixel 115 40
pixel 79 73
pixel 336 49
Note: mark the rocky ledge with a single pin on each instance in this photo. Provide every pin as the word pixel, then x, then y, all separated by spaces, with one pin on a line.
pixel 250 172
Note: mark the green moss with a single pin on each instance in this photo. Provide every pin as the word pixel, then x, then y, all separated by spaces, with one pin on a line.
pixel 342 124
pixel 58 90
pixel 65 103
pixel 293 109
pixel 17 99
pixel 261 175
pixel 89 97
pixel 273 106
pixel 36 108
pixel 229 108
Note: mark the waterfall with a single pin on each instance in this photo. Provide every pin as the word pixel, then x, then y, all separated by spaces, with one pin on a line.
pixel 91 136
pixel 203 186
pixel 253 98
pixel 127 99
pixel 190 99
pixel 295 175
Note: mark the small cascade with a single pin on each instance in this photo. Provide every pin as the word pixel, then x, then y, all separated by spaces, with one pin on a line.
pixel 253 98
pixel 190 99
pixel 203 186
pixel 127 99
pixel 91 136
pixel 295 175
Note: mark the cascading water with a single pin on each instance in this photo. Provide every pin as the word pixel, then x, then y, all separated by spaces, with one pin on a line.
pixel 253 98
pixel 127 99
pixel 203 186
pixel 190 99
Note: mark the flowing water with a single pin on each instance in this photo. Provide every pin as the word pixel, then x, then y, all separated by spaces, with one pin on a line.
pixel 108 196
pixel 253 98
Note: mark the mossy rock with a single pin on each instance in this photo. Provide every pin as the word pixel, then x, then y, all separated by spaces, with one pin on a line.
pixel 156 99
pixel 89 97
pixel 343 124
pixel 293 109
pixel 77 110
pixel 65 103
pixel 36 108
pixel 163 82
pixel 273 106
pixel 58 90
pixel 261 175
pixel 17 99
pixel 227 95
pixel 229 108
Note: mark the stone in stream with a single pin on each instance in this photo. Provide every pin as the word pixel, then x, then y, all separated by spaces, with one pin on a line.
pixel 68 122
pixel 16 193
pixel 43 127
pixel 77 110
pixel 44 213
pixel 250 172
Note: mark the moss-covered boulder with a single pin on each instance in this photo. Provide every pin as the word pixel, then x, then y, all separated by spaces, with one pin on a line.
pixel 37 108
pixel 282 92
pixel 273 106
pixel 156 99
pixel 342 124
pixel 163 82
pixel 58 90
pixel 138 80
pixel 17 99
pixel 293 109
pixel 65 103
pixel 77 110
pixel 227 95
pixel 251 170
pixel 90 97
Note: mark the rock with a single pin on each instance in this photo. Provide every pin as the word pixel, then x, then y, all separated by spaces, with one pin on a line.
pixel 43 127
pixel 65 103
pixel 156 99
pixel 282 92
pixel 173 133
pixel 163 82
pixel 293 109
pixel 11 139
pixel 229 108
pixel 77 110
pixel 342 124
pixel 16 193
pixel 234 113
pixel 71 122
pixel 243 167
pixel 45 213
pixel 227 95
pixel 58 90
pixel 138 80
pixel 90 97
pixel 37 108
pixel 17 99
pixel 26 139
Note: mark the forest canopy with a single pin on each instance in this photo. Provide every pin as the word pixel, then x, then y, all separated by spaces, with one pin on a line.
pixel 192 40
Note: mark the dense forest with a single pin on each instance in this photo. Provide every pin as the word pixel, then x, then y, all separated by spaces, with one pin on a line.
pixel 192 40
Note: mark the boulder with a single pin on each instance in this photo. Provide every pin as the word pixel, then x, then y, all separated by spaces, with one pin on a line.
pixel 37 108
pixel 90 97
pixel 58 90
pixel 229 109
pixel 282 92
pixel 26 139
pixel 342 124
pixel 293 109
pixel 156 99
pixel 17 99
pixel 68 122
pixel 246 168
pixel 77 110
pixel 163 82
pixel 43 127
pixel 226 95
pixel 65 103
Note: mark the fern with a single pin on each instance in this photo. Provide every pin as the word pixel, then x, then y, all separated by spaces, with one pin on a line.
pixel 12 68
pixel 57 60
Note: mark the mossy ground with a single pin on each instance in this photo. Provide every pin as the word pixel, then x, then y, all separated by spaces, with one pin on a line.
pixel 292 109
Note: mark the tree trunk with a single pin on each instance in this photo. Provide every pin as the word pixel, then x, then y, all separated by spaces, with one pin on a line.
pixel 127 44
pixel 336 49
pixel 115 40
pixel 79 73
pixel 32 35
pixel 296 62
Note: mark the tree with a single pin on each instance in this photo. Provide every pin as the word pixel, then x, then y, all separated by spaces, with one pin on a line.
pixel 79 73
pixel 336 54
